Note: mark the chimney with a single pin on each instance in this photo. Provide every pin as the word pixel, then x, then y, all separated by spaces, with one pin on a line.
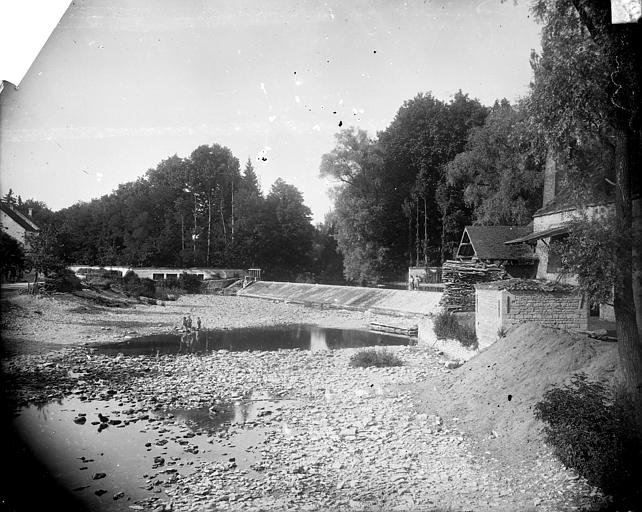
pixel 550 178
pixel 30 212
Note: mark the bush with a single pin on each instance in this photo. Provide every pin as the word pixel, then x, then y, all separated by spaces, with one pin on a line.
pixel 137 287
pixel 65 281
pixel 372 357
pixel 592 430
pixel 448 327
pixel 191 283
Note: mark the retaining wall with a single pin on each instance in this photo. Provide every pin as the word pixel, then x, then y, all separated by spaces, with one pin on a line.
pixel 376 300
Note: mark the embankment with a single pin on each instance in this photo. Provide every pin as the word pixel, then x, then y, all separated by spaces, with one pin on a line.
pixel 375 300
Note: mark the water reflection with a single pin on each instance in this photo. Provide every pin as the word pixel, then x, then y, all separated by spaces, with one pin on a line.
pixel 71 453
pixel 302 337
pixel 317 340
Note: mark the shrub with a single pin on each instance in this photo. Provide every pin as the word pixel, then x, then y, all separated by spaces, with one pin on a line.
pixel 592 430
pixel 64 281
pixel 372 357
pixel 191 283
pixel 137 287
pixel 448 327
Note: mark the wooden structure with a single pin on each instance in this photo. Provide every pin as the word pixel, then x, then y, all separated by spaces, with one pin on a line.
pixel 487 244
pixel 460 278
pixel 411 332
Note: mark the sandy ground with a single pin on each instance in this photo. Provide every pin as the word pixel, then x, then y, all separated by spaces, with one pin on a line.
pixel 355 439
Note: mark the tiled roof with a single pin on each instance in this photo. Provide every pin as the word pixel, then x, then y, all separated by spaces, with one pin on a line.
pixel 23 221
pixel 539 285
pixel 488 242
pixel 565 201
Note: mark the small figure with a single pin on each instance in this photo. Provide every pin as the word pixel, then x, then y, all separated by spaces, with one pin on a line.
pixel 189 321
pixel 198 323
pixel 411 283
pixel 185 324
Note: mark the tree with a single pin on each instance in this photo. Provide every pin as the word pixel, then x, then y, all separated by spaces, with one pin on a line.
pixel 364 205
pixel 500 169
pixel 45 253
pixel 588 81
pixel 287 232
pixel 424 136
pixel 12 256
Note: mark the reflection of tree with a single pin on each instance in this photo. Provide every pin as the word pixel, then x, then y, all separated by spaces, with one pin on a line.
pixel 317 340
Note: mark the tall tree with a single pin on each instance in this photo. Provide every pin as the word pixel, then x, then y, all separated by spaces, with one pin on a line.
pixel 287 232
pixel 363 207
pixel 590 72
pixel 500 169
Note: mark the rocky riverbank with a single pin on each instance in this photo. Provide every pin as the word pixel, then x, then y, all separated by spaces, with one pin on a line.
pixel 334 437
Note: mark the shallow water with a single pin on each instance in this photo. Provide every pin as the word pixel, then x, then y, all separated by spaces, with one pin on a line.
pixel 127 453
pixel 303 337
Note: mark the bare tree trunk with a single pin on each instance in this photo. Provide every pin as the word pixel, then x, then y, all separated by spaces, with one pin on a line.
pixel 232 211
pixel 425 233
pixel 209 227
pixel 194 234
pixel 417 239
pixel 182 231
pixel 410 239
pixel 220 207
pixel 629 347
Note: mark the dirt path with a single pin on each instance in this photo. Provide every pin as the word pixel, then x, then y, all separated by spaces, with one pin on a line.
pixel 349 439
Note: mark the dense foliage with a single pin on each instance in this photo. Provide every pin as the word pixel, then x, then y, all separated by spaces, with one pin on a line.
pixel 447 326
pixel 374 358
pixel 592 430
pixel 196 211
pixel 12 256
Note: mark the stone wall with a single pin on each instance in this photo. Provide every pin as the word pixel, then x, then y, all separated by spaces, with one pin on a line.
pixel 499 309
pixel 552 309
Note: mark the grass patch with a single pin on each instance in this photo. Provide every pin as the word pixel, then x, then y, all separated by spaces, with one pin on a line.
pixel 591 429
pixel 448 327
pixel 378 358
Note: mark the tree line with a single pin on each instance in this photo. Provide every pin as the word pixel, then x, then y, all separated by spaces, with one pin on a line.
pixel 195 211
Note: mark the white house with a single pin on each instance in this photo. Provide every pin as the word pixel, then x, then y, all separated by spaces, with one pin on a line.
pixel 16 224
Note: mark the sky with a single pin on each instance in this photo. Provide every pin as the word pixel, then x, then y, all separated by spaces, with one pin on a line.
pixel 121 85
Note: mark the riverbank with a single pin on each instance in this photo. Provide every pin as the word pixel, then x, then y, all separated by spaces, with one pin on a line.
pixel 344 439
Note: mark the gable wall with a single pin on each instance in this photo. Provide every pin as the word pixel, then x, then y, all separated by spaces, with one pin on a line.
pixel 12 228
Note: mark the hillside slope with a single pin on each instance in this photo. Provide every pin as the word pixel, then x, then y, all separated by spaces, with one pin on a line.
pixel 494 393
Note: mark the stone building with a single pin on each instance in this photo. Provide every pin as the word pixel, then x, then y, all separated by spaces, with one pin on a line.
pixel 501 304
pixel 551 224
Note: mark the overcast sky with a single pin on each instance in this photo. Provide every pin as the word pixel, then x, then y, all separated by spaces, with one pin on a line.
pixel 121 85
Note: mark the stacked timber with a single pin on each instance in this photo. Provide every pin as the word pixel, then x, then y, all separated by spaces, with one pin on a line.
pixel 460 278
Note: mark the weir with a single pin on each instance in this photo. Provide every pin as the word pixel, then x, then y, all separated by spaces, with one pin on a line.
pixel 376 300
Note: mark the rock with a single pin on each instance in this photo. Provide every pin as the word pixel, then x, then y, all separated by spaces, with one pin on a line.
pixel 118 495
pixel 80 420
pixel 98 476
pixel 100 492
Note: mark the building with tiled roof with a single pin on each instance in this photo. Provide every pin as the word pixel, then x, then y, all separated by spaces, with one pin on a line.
pixel 16 224
pixel 487 244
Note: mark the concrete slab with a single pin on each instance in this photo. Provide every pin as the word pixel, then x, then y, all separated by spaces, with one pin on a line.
pixel 383 301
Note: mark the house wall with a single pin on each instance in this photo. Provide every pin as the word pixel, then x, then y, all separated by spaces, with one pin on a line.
pixel 12 228
pixel 553 220
pixel 501 309
pixel 488 318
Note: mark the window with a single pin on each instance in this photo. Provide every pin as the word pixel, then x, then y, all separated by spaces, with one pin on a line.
pixel 157 277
